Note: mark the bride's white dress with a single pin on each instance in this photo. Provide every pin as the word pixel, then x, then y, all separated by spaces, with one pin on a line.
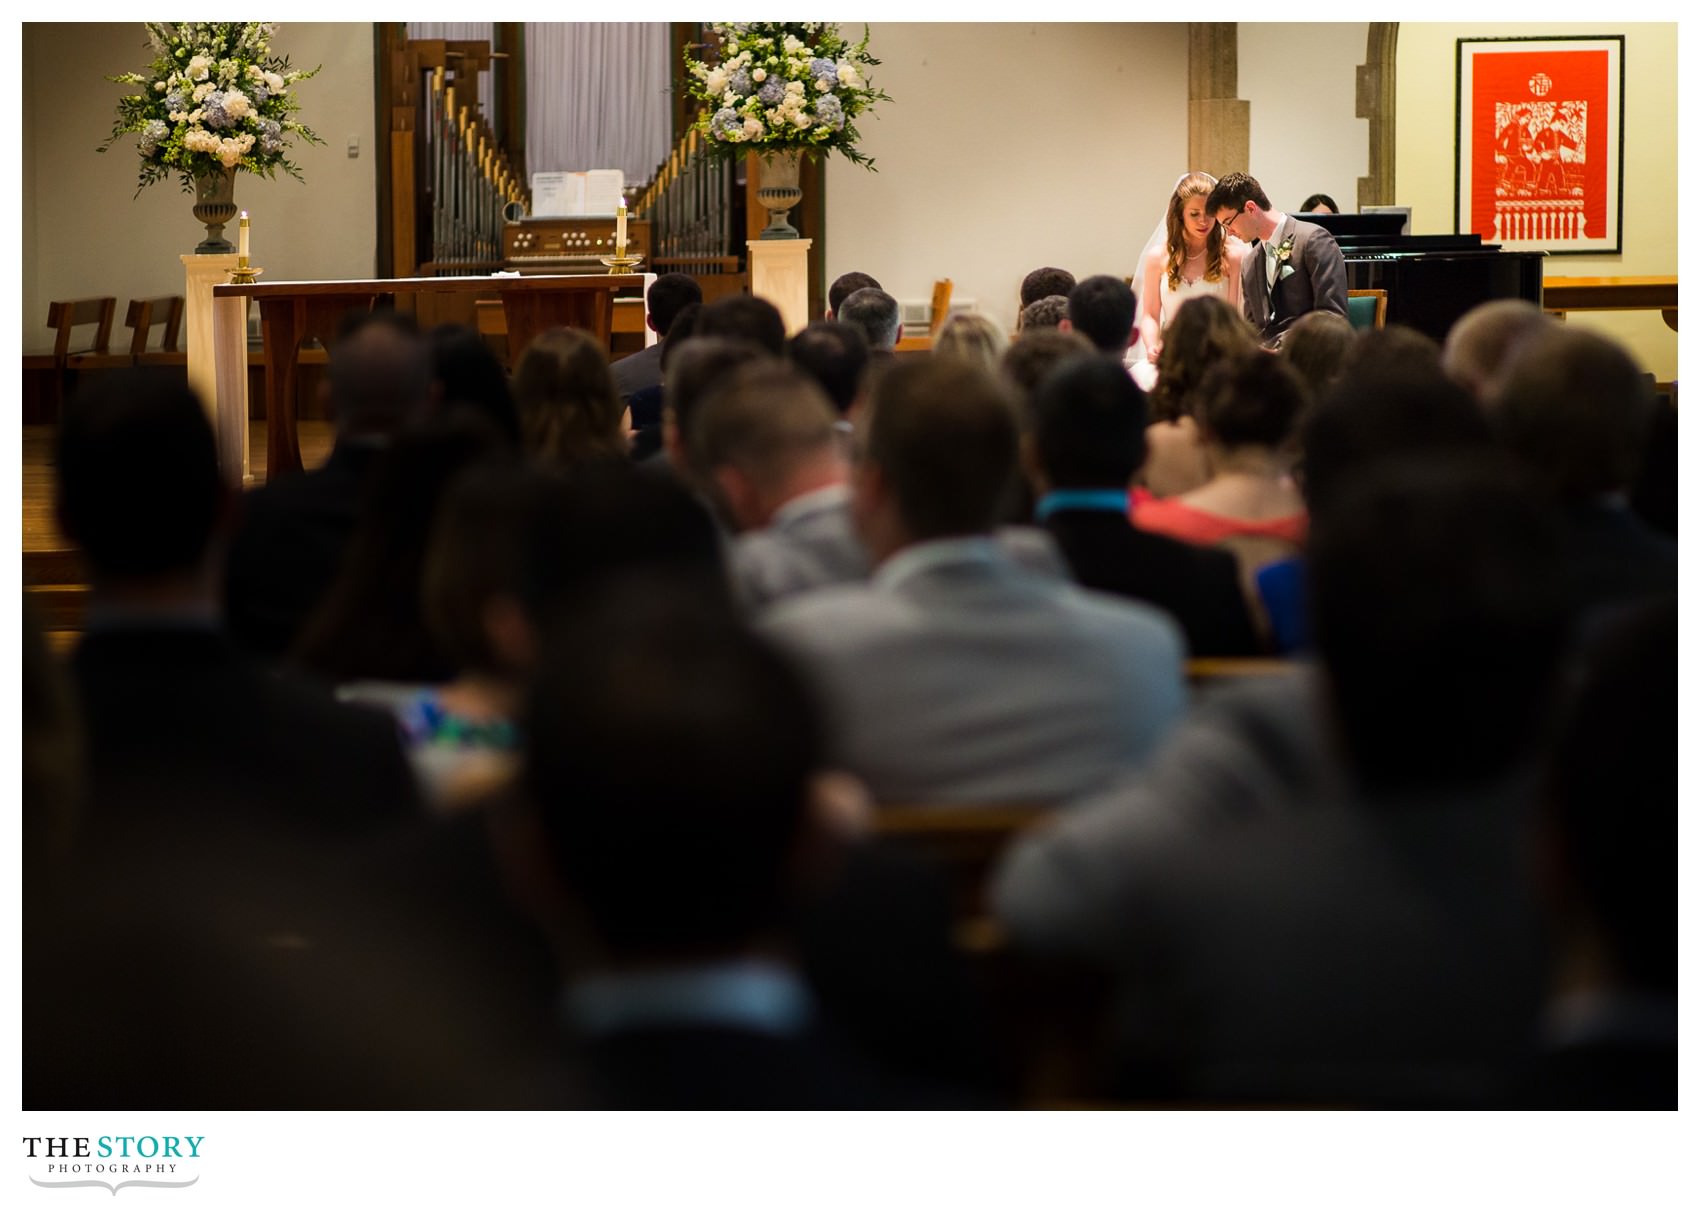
pixel 1145 371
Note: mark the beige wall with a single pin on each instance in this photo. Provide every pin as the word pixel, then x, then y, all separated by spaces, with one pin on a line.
pixel 1305 140
pixel 1426 159
pixel 988 168
pixel 82 233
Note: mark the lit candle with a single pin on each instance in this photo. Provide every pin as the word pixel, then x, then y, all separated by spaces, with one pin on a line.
pixel 620 230
pixel 242 237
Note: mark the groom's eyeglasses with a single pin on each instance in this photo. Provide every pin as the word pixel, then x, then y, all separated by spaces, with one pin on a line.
pixel 1228 223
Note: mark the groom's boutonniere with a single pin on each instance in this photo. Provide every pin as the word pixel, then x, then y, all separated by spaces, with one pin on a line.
pixel 1284 254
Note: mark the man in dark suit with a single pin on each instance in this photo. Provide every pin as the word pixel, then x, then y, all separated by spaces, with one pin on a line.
pixel 687 870
pixel 1293 267
pixel 292 532
pixel 668 295
pixel 1574 409
pixel 1087 444
pixel 177 721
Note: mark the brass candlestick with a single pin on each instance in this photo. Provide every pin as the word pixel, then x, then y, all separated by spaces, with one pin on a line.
pixel 245 274
pixel 621 262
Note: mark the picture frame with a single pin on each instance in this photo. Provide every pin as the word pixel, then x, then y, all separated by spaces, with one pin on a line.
pixel 1539 150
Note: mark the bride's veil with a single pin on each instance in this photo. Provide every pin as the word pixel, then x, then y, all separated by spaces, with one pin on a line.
pixel 1159 238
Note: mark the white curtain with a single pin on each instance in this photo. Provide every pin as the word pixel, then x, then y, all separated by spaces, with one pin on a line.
pixel 461 31
pixel 597 96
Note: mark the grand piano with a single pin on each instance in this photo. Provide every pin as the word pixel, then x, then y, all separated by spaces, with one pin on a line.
pixel 1430 280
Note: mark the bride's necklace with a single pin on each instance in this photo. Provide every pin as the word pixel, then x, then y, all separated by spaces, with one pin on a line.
pixel 1191 260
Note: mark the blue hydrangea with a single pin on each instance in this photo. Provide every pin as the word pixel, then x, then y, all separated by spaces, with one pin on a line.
pixel 271 135
pixel 153 134
pixel 739 82
pixel 725 122
pixel 215 117
pixel 773 92
pixel 176 103
pixel 828 111
pixel 825 71
pixel 258 91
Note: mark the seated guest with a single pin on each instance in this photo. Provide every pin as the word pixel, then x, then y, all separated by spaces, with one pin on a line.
pixel 1033 355
pixel 1320 204
pixel 1608 1037
pixel 766 441
pixel 1319 891
pixel 971 338
pixel 1088 440
pixel 700 363
pixel 1378 412
pixel 1048 312
pixel 178 724
pixel 1247 409
pixel 834 356
pixel 744 318
pixel 466 373
pixel 1102 309
pixel 569 408
pixel 668 295
pixel 843 287
pixel 955 675
pixel 767 451
pixel 644 406
pixel 1204 332
pixel 1044 282
pixel 1317 347
pixel 292 531
pixel 876 315
pixel 371 626
pixel 687 873
pixel 1478 345
pixel 1574 409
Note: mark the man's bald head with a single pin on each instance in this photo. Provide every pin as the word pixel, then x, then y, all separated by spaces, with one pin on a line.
pixel 379 378
pixel 1478 345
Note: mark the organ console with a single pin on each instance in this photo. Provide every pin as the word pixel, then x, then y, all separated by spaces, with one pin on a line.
pixel 570 245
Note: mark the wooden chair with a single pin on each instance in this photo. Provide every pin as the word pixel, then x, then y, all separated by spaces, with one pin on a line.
pixel 1366 308
pixel 141 317
pixel 941 307
pixel 65 317
pixel 965 840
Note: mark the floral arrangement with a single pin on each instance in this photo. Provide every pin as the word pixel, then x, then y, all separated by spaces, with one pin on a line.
pixel 784 86
pixel 214 97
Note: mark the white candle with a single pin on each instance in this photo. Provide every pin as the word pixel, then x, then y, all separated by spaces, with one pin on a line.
pixel 242 237
pixel 620 231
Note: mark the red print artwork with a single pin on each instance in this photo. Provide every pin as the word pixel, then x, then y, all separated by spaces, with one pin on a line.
pixel 1532 176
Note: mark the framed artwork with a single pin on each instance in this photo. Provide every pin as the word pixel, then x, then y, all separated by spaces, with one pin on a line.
pixel 1540 143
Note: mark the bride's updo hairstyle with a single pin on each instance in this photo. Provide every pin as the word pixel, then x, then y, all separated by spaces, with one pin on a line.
pixel 1193 185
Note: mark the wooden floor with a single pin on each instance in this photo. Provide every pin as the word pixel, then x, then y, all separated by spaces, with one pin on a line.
pixel 42 537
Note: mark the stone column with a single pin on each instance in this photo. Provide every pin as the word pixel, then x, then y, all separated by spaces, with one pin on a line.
pixel 1218 123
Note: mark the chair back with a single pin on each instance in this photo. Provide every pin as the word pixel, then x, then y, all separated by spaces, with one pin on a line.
pixel 1366 308
pixel 143 314
pixel 66 315
pixel 941 306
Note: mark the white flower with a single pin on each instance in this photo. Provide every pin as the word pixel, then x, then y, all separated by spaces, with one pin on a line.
pixel 197 69
pixel 237 105
pixel 274 81
pixel 793 43
pixel 715 80
pixel 753 129
pixel 847 74
pixel 801 120
pixel 759 74
pixel 794 86
pixel 200 140
pixel 201 91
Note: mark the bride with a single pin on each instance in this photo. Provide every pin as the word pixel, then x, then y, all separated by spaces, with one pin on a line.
pixel 1189 255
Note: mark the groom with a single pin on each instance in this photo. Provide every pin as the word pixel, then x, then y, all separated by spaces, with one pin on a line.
pixel 1292 268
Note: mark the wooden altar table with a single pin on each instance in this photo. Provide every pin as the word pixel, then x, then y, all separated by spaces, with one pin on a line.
pixel 292 312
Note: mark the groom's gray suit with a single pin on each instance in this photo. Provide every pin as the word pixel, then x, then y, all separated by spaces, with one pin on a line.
pixel 1317 281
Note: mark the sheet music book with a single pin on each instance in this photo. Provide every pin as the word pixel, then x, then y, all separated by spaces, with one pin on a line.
pixel 563 195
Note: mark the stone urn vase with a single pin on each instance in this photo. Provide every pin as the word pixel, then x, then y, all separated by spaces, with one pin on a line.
pixel 778 191
pixel 215 206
